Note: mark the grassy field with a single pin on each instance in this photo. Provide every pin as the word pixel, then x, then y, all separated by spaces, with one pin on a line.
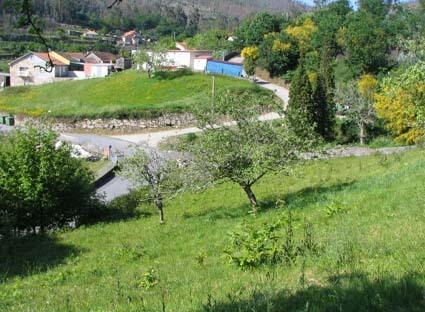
pixel 120 95
pixel 368 216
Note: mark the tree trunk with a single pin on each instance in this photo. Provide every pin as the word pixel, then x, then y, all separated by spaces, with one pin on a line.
pixel 251 197
pixel 362 134
pixel 159 205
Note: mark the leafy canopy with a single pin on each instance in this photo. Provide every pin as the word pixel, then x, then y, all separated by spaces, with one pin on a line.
pixel 401 102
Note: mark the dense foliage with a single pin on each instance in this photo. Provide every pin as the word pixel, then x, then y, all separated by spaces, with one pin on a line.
pixel 41 185
pixel 401 102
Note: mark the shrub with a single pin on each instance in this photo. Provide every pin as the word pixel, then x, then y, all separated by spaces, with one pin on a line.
pixel 41 185
pixel 269 243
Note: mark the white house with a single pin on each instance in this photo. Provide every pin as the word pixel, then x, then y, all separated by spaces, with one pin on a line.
pixel 99 64
pixel 131 37
pixel 30 69
pixel 90 34
pixel 183 57
pixel 98 70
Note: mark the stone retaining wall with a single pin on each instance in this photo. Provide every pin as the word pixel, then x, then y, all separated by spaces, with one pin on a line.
pixel 112 124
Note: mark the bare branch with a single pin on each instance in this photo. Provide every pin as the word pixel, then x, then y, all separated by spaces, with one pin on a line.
pixel 116 2
pixel 26 12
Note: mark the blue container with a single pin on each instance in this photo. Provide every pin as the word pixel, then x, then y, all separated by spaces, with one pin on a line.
pixel 225 68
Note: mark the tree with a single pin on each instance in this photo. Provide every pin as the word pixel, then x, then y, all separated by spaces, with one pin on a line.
pixel 154 170
pixel 365 42
pixel 278 54
pixel 301 111
pixel 245 150
pixel 252 31
pixel 329 20
pixel 215 40
pixel 303 34
pixel 323 97
pixel 42 186
pixel 152 60
pixel 357 98
pixel 376 8
pixel 401 103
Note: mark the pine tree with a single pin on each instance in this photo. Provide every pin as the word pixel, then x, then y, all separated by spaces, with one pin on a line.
pixel 324 118
pixel 323 97
pixel 301 112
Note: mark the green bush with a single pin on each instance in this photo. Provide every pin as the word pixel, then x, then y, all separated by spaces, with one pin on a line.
pixel 269 243
pixel 41 186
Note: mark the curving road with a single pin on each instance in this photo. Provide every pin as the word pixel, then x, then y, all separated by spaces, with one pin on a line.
pixel 124 144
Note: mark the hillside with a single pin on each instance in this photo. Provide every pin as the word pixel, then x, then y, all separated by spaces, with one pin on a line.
pixel 129 93
pixel 367 216
pixel 63 11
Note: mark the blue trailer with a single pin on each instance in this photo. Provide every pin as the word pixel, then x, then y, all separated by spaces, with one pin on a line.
pixel 225 68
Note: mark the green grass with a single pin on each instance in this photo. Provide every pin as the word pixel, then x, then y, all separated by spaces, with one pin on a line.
pixel 120 95
pixel 99 167
pixel 372 259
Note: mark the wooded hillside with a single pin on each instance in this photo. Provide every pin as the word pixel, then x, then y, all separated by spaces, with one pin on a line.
pixel 92 13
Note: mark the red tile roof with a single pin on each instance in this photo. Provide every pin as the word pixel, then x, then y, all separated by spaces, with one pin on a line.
pixel 130 33
pixel 106 57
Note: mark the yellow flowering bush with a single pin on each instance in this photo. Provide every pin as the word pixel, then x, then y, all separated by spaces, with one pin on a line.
pixel 302 33
pixel 251 53
pixel 367 85
pixel 400 102
pixel 280 46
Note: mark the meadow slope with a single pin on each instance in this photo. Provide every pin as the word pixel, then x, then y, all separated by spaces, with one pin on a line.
pixel 369 220
pixel 125 94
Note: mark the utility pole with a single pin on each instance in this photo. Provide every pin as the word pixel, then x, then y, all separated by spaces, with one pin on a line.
pixel 213 90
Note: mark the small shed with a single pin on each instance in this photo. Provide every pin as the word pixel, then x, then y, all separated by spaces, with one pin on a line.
pixel 200 62
pixel 123 63
pixel 4 80
pixel 97 70
pixel 225 68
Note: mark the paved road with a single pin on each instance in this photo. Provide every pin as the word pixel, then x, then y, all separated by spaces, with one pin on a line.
pixel 154 138
pixel 115 186
pixel 281 92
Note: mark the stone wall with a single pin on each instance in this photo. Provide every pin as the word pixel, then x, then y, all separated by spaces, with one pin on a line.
pixel 115 125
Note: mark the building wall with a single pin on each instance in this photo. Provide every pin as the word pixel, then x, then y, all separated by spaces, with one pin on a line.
pixel 97 70
pixel 182 59
pixel 179 59
pixel 200 65
pixel 36 75
pixel 93 59
pixel 61 71
pixel 77 74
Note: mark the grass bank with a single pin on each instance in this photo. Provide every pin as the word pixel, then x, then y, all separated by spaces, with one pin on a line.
pixel 125 94
pixel 368 217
